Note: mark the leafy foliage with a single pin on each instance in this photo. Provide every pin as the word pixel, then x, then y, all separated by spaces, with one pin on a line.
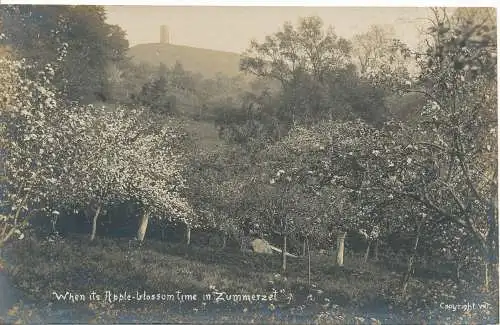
pixel 155 96
pixel 35 32
pixel 317 156
pixel 102 148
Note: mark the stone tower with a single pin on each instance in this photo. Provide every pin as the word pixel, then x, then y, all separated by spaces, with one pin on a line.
pixel 164 37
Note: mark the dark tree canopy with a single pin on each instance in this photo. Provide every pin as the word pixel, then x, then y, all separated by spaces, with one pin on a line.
pixel 37 33
pixel 317 75
pixel 154 95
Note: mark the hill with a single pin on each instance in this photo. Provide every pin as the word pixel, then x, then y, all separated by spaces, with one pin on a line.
pixel 197 60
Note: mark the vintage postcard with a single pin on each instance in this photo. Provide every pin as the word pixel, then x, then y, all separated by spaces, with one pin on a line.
pixel 248 165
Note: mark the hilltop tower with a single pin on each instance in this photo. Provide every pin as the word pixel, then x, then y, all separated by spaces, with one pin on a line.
pixel 164 36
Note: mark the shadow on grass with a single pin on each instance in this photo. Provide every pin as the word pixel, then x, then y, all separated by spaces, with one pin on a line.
pixel 80 266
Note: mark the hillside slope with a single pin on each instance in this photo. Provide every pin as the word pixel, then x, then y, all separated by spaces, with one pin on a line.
pixel 205 61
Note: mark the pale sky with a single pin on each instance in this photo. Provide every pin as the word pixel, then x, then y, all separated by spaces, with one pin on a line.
pixel 232 28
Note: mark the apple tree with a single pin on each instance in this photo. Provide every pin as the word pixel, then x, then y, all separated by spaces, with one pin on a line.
pixel 31 142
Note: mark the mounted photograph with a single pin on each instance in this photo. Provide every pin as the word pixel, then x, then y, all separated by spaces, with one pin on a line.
pixel 248 165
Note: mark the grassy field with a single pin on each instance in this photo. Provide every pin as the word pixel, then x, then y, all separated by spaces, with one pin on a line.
pixel 337 295
pixel 204 134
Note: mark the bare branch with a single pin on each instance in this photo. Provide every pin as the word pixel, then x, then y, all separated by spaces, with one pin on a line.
pixel 455 196
pixel 466 172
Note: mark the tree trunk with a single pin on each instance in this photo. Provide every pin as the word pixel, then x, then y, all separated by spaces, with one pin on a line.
pixel 376 249
pixel 283 265
pixel 490 244
pixel 94 223
pixel 242 243
pixel 308 263
pixel 486 276
pixel 494 271
pixel 304 247
pixel 7 236
pixel 143 226
pixel 188 234
pixel 367 253
pixel 411 262
pixel 54 223
pixel 224 239
pixel 4 229
pixel 487 263
pixel 340 249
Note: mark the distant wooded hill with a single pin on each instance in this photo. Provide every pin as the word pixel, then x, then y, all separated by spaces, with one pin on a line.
pixel 197 60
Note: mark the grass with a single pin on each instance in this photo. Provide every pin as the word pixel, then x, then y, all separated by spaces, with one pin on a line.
pixel 337 294
pixel 204 134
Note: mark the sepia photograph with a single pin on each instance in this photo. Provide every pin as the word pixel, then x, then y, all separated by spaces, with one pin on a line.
pixel 205 164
